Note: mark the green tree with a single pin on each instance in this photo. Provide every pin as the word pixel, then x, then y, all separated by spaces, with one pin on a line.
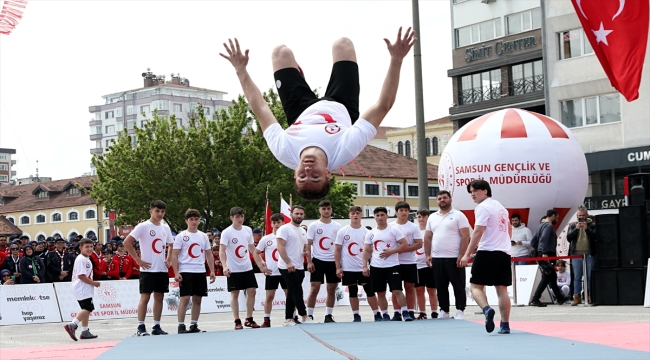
pixel 210 166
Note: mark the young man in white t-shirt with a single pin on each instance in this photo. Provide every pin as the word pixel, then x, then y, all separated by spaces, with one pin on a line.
pixel 348 255
pixel 425 274
pixel 268 246
pixel 383 244
pixel 236 243
pixel 491 265
pixel 408 268
pixel 84 289
pixel 445 243
pixel 155 238
pixel 292 247
pixel 323 133
pixel 190 252
pixel 320 236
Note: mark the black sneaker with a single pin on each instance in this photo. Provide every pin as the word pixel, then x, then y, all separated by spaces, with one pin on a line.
pixel 536 303
pixel 156 330
pixel 194 328
pixel 142 331
pixel 378 317
pixel 489 320
pixel 311 316
pixel 396 317
pixel 412 314
pixel 407 316
pixel 296 320
pixel 434 315
pixel 422 316
pixel 357 318
pixel 385 317
pixel 329 319
pixel 266 323
pixel 182 329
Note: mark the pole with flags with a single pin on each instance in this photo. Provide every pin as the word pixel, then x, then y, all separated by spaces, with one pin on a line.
pixel 267 214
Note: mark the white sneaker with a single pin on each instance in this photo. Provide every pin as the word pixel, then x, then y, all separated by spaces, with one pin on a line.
pixel 460 315
pixel 443 315
pixel 289 323
pixel 309 320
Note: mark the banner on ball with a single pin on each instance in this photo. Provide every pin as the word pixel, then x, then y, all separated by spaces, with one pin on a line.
pixel 28 304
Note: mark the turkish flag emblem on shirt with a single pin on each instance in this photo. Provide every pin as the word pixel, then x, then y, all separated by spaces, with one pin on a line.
pixel 618 32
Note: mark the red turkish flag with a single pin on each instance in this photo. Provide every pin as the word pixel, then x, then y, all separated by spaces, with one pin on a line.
pixel 618 33
pixel 267 219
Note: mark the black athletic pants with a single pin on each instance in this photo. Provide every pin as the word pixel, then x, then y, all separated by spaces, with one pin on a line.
pixel 294 292
pixel 444 272
pixel 550 279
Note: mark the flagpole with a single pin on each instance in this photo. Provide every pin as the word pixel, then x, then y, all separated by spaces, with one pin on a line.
pixel 290 200
pixel 266 207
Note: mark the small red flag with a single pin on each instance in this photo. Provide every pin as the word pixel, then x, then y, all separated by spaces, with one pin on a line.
pixel 267 219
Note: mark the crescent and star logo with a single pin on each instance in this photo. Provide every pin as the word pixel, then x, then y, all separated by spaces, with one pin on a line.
pixel 191 254
pixel 376 243
pixel 319 231
pixel 152 233
pixel 237 251
pixel 186 238
pixel 417 252
pixel 350 249
pixel 332 129
pixel 346 237
pixel 320 243
pixel 372 236
pixel 269 243
pixel 274 255
pixel 234 240
pixel 153 245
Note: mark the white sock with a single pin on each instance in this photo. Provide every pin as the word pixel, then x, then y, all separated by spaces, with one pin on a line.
pixel 181 323
pixel 310 311
pixel 269 315
pixel 328 310
pixel 376 311
pixel 193 322
pixel 75 321
pixel 156 322
pixel 140 323
pixel 295 313
pixel 404 308
pixel 355 312
pixel 84 328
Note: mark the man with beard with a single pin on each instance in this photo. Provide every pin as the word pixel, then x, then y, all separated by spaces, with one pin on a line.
pixel 59 266
pixel 546 246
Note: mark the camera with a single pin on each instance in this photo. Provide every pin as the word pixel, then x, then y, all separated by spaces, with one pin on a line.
pixel 581 220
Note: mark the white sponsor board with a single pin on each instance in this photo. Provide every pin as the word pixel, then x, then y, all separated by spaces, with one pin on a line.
pixel 28 304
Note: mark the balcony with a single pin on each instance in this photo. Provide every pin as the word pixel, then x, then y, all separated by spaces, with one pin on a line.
pixel 96 136
pixel 527 85
pixel 96 151
pixel 471 96
pixel 95 108
pixel 94 122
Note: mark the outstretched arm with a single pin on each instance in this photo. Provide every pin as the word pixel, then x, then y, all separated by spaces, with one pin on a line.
pixel 398 50
pixel 239 61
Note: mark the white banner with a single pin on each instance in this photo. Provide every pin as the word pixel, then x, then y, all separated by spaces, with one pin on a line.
pixel 28 304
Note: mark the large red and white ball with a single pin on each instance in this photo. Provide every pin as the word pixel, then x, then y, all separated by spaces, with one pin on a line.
pixel 532 162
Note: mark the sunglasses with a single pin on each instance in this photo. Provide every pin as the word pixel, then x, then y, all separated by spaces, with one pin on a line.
pixel 6 275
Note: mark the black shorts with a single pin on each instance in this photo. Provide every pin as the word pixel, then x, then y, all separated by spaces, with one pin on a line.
pixel 322 270
pixel 193 284
pixel 154 282
pixel 296 95
pixel 409 273
pixel 87 304
pixel 355 278
pixel 379 277
pixel 272 282
pixel 241 281
pixel 425 278
pixel 491 268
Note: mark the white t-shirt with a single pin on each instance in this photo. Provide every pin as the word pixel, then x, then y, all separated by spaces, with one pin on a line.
pixel 82 266
pixel 446 233
pixel 269 246
pixel 351 241
pixel 191 258
pixel 323 236
pixel 326 125
pixel 296 240
pixel 153 240
pixel 384 239
pixel 411 232
pixel 420 256
pixel 236 243
pixel 491 214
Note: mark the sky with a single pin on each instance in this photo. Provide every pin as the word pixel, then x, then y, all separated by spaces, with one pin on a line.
pixel 64 55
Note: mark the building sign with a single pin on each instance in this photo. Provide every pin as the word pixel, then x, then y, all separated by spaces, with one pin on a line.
pixel 500 47
pixel 619 159
pixel 604 202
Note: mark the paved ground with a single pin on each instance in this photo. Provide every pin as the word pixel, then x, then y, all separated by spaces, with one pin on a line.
pixel 19 336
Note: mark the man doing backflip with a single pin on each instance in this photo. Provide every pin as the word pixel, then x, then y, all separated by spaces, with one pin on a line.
pixel 324 133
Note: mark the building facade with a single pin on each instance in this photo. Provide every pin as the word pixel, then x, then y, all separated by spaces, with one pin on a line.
pixel 131 108
pixel 437 133
pixel 497 58
pixel 382 178
pixel 613 133
pixel 56 207
pixel 6 164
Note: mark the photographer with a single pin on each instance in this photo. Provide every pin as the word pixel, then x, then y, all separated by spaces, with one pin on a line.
pixel 546 240
pixel 582 241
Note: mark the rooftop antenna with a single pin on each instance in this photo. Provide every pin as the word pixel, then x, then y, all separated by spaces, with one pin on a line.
pixel 36 168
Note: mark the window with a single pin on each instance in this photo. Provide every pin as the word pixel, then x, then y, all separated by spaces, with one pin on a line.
pixel 400 148
pixel 3 156
pixel 433 191
pixel 118 112
pixel 161 104
pixel 98 144
pixel 108 115
pixel 129 110
pixel 206 111
pixel 24 220
pixel 526 78
pixel 40 219
pixel 42 195
pixel 178 107
pixel 12 220
pixel 427 143
pixel 90 214
pixel 393 190
pixel 142 123
pixel 56 217
pixel 407 148
pixel 108 143
pixel 484 31
pixel 110 129
pixel 90 235
pixel 434 140
pixel 372 189
pixel 3 167
pixel 73 216
pixel 524 21
pixel 95 130
pixel 144 109
pixel 73 191
pixel 480 87
pixel 574 43
pixel 593 110
pixel 4 178
pixel 413 190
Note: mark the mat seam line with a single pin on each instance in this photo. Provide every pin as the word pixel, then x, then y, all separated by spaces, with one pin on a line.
pixel 331 347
